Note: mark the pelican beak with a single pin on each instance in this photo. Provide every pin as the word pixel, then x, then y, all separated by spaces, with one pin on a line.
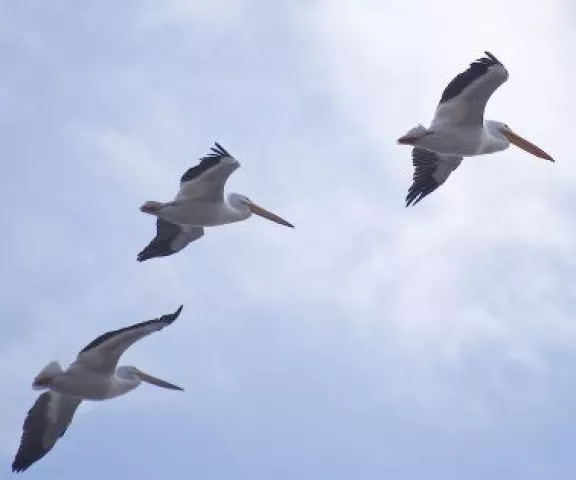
pixel 156 381
pixel 258 210
pixel 525 144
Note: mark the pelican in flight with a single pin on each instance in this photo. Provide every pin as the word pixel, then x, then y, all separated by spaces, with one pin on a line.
pixel 200 203
pixel 93 376
pixel 458 129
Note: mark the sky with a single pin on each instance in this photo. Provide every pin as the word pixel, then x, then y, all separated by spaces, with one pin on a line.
pixel 372 341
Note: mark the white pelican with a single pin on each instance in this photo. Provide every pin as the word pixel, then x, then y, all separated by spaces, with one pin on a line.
pixel 458 129
pixel 93 376
pixel 200 203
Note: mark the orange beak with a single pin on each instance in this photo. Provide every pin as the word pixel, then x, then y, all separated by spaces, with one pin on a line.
pixel 258 210
pixel 525 144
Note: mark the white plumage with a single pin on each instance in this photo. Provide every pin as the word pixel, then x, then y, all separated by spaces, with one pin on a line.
pixel 458 128
pixel 93 376
pixel 200 203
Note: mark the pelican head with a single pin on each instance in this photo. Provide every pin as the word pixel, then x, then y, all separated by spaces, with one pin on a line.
pixel 504 130
pixel 151 207
pixel 243 203
pixel 139 375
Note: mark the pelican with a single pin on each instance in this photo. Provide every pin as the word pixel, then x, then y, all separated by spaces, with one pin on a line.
pixel 458 129
pixel 200 203
pixel 93 376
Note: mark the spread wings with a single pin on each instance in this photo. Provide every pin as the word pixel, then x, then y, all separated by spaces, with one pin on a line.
pixel 430 171
pixel 205 181
pixel 46 422
pixel 169 239
pixel 464 99
pixel 103 353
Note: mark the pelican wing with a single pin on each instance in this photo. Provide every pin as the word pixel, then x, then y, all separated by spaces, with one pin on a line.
pixel 430 171
pixel 45 423
pixel 169 239
pixel 205 181
pixel 102 355
pixel 464 99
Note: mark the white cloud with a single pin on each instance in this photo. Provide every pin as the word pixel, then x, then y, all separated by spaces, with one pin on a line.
pixel 478 273
pixel 421 271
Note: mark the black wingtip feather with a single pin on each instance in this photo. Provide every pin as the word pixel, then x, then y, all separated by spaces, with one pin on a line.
pixel 168 319
pixel 216 154
pixel 477 68
pixel 425 165
pixel 151 252
pixel 160 245
pixel 492 57
pixel 415 195
pixel 220 150
pixel 31 449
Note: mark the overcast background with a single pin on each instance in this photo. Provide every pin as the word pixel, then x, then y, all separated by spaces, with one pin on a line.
pixel 372 341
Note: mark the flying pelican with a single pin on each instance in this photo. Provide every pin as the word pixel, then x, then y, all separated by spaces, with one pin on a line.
pixel 458 129
pixel 93 376
pixel 200 203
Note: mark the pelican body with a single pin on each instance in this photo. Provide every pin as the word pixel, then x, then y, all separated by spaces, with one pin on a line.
pixel 200 203
pixel 465 141
pixel 458 128
pixel 233 208
pixel 82 383
pixel 93 376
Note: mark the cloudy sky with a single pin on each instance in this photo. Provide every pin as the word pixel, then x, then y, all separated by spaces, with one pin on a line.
pixel 372 341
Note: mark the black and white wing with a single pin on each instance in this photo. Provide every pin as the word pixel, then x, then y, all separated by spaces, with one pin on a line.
pixel 169 239
pixel 464 99
pixel 45 423
pixel 103 353
pixel 205 181
pixel 430 171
